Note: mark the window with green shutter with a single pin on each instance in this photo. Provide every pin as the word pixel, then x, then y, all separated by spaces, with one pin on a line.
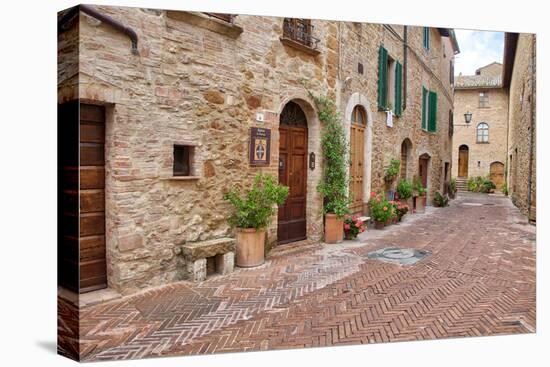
pixel 382 78
pixel 398 89
pixel 424 107
pixel 432 111
pixel 426 38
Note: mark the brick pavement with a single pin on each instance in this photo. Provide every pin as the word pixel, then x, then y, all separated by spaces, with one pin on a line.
pixel 479 280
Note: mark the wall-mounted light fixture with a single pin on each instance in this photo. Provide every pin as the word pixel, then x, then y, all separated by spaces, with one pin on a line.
pixel 468 117
pixel 312 161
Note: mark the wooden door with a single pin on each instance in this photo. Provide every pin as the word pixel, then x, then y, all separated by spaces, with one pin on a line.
pixel 463 162
pixel 83 243
pixel 357 150
pixel 496 174
pixel 292 173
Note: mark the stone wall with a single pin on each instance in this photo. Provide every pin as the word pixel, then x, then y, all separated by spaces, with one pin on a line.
pixel 480 155
pixel 522 114
pixel 200 81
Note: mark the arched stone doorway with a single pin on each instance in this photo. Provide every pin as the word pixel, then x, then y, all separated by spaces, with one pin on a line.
pixel 463 157
pixel 406 158
pixel 496 174
pixel 357 152
pixel 358 126
pixel 293 133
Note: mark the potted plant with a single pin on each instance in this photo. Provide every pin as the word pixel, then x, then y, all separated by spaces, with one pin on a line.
pixel 380 210
pixel 353 226
pixel 420 198
pixel 253 211
pixel 400 210
pixel 452 188
pixel 440 200
pixel 404 191
pixel 392 171
pixel 334 184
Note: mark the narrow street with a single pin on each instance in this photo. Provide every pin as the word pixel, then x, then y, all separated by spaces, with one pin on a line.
pixel 477 279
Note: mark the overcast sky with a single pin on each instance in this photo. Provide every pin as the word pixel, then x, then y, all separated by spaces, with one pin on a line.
pixel 477 48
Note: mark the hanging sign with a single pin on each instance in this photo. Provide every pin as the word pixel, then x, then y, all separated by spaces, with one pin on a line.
pixel 260 146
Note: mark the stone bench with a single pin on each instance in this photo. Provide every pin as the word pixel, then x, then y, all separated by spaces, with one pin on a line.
pixel 218 253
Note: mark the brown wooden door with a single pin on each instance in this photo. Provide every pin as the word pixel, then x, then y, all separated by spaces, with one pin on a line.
pixel 292 173
pixel 357 142
pixel 82 247
pixel 463 162
pixel 496 172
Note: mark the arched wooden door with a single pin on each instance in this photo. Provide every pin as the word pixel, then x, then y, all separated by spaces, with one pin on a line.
pixel 496 174
pixel 357 152
pixel 293 173
pixel 463 153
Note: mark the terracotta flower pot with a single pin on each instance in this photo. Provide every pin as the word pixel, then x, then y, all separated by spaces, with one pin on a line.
pixel 420 204
pixel 334 229
pixel 250 247
pixel 379 224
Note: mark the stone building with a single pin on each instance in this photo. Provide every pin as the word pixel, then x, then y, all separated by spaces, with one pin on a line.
pixel 169 101
pixel 479 147
pixel 519 78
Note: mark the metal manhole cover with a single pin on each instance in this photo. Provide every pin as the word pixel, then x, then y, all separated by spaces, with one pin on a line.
pixel 396 255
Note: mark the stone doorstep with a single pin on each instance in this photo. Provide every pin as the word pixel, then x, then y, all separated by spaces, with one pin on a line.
pixel 364 219
pixel 89 298
pixel 201 250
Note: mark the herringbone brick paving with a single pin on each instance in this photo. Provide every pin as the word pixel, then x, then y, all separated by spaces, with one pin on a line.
pixel 479 280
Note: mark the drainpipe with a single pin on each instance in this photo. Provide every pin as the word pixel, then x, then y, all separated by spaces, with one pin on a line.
pixel 532 127
pixel 87 9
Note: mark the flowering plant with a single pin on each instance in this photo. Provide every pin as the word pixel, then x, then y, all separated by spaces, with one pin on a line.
pixel 401 209
pixel 353 226
pixel 380 208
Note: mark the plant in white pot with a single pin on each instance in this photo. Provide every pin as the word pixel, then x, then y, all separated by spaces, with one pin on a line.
pixel 252 214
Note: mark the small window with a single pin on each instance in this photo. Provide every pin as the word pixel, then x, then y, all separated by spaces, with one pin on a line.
pixel 301 31
pixel 483 99
pixel 482 133
pixel 183 156
pixel 426 38
pixel 390 83
pixel 358 116
pixel 429 110
pixel 451 123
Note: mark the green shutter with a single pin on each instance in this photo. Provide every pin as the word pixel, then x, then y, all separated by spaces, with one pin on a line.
pixel 432 120
pixel 382 78
pixel 426 38
pixel 424 93
pixel 398 89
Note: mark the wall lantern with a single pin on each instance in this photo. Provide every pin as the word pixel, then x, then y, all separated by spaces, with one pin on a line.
pixel 312 161
pixel 468 117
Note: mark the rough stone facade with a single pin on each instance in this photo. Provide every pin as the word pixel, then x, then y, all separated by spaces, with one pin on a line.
pixel 521 81
pixel 201 81
pixel 495 114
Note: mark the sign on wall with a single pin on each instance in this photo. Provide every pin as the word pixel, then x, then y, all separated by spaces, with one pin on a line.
pixel 260 146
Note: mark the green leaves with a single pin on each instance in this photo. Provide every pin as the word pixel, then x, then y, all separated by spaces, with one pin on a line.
pixel 393 169
pixel 255 208
pixel 404 189
pixel 334 186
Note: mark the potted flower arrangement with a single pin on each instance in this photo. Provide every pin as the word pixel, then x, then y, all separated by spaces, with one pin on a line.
pixel 420 198
pixel 334 184
pixel 380 210
pixel 251 216
pixel 401 210
pixel 404 191
pixel 392 171
pixel 353 226
pixel 441 200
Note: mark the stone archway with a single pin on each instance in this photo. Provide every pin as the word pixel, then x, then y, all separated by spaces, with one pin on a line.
pixel 310 142
pixel 406 159
pixel 359 100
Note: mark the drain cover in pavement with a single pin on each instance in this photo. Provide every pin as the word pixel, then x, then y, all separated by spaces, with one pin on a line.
pixel 401 256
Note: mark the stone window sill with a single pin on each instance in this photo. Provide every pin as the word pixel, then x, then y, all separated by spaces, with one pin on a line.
pixel 299 46
pixel 204 21
pixel 482 142
pixel 182 178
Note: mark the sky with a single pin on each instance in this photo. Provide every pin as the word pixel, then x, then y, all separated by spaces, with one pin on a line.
pixel 477 49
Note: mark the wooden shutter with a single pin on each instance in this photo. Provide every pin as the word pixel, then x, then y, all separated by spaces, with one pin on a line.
pixel 424 93
pixel 432 102
pixel 382 78
pixel 426 38
pixel 398 89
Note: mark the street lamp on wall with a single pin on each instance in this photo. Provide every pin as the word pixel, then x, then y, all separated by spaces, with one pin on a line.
pixel 468 117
